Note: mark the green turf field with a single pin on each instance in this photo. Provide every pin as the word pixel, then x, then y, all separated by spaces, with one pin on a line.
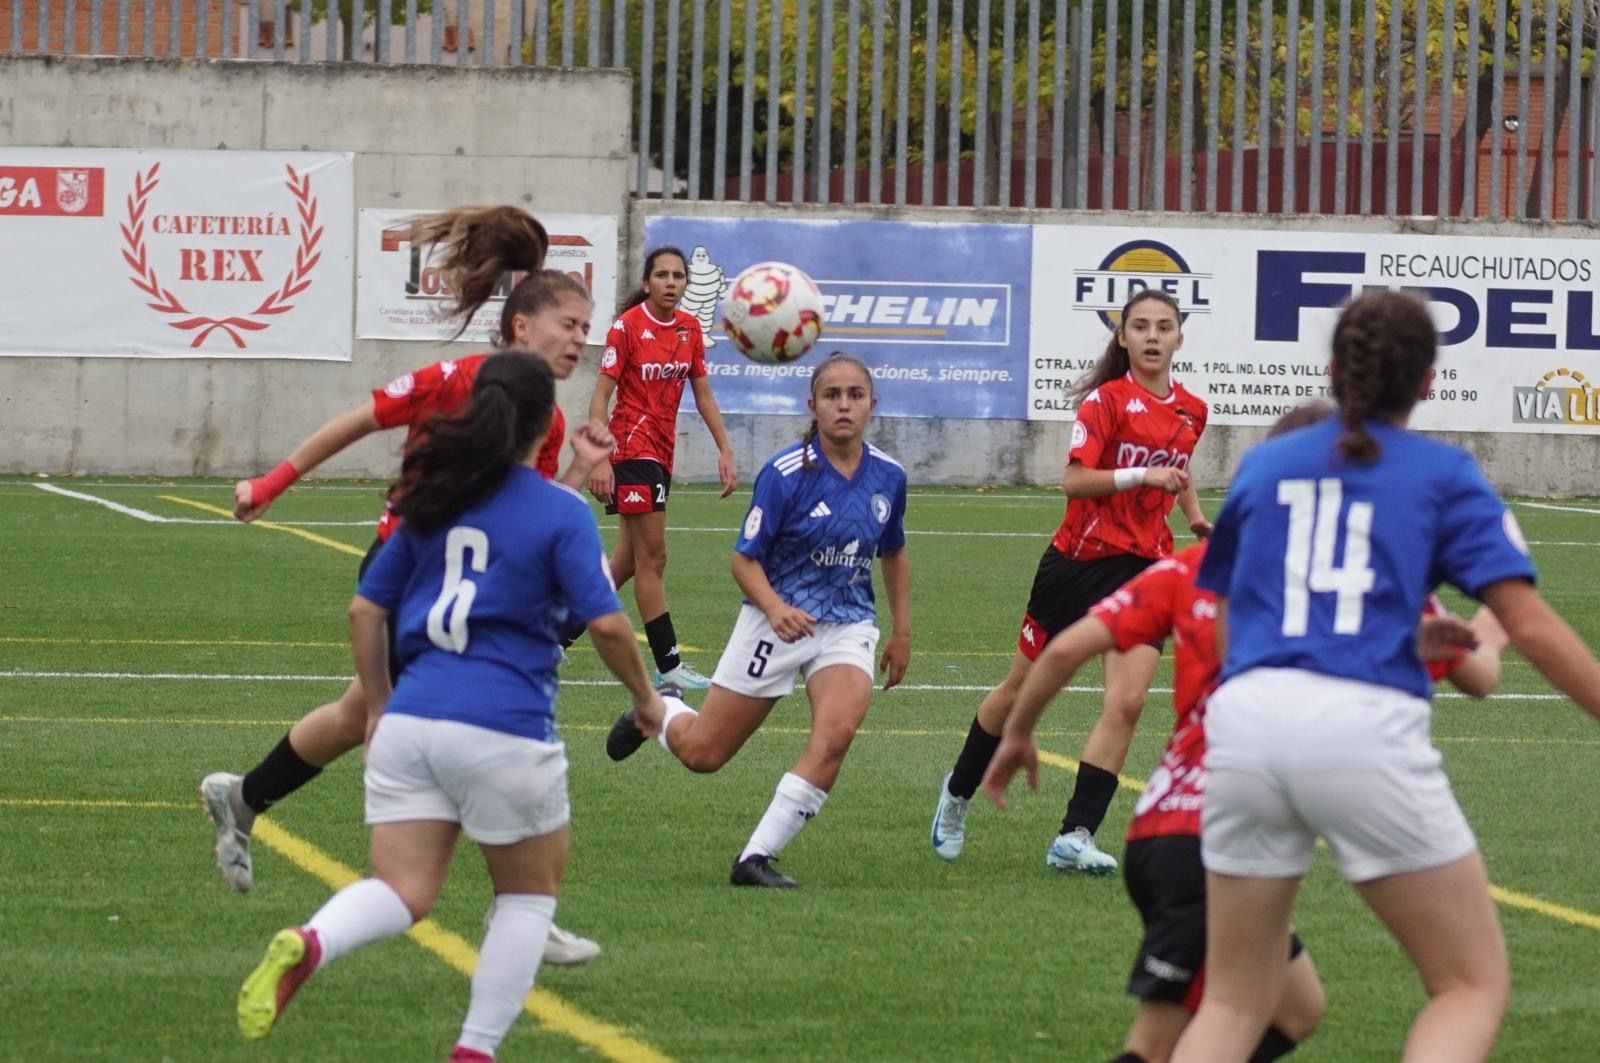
pixel 137 655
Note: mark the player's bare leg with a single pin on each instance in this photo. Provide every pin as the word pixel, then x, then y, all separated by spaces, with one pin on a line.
pixel 983 738
pixel 647 533
pixel 706 740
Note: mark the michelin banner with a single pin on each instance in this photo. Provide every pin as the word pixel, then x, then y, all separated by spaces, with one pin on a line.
pixel 939 312
pixel 400 291
pixel 1520 336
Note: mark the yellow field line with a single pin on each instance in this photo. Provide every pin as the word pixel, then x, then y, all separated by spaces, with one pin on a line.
pixel 320 540
pixel 1509 898
pixel 21 640
pixel 551 1011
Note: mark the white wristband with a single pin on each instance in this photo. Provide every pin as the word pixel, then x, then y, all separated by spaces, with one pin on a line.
pixel 1123 479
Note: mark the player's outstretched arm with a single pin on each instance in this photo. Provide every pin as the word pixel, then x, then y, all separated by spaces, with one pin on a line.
pixel 897 583
pixel 613 640
pixel 369 644
pixel 1546 640
pixel 711 414
pixel 252 497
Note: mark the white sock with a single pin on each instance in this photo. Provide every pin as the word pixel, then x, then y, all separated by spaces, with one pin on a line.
pixel 795 802
pixel 675 707
pixel 507 963
pixel 359 914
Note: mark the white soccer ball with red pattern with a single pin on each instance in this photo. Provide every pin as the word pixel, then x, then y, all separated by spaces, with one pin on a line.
pixel 773 312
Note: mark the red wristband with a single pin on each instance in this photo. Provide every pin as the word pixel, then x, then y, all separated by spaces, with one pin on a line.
pixel 264 489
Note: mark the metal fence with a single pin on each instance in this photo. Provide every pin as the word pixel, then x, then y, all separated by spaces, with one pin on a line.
pixel 1485 108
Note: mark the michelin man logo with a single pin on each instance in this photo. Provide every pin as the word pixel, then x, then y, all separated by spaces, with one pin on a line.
pixel 707 283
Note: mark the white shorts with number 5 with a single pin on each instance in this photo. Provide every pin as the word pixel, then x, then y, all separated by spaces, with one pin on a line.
pixel 758 664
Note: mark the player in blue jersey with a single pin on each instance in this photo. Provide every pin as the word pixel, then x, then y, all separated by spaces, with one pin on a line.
pixel 1322 559
pixel 821 512
pixel 489 560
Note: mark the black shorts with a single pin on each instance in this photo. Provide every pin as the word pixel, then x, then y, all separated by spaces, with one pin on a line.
pixel 1065 590
pixel 642 486
pixel 1166 881
pixel 366 563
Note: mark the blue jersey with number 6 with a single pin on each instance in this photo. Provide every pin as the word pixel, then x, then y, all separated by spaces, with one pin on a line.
pixel 1326 562
pixel 816 533
pixel 479 604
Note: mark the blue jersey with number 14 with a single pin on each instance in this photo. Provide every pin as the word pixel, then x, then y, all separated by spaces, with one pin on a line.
pixel 1326 563
pixel 479 604
pixel 816 533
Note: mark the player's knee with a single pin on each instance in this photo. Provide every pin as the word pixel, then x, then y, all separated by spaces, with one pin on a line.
pixel 830 743
pixel 701 758
pixel 650 557
pixel 1122 708
pixel 1302 1011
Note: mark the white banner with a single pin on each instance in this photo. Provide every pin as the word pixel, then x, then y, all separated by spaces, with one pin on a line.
pixel 1521 338
pixel 176 254
pixel 400 291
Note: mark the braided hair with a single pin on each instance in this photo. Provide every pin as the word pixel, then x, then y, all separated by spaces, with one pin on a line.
pixel 1115 361
pixel 836 358
pixel 1383 350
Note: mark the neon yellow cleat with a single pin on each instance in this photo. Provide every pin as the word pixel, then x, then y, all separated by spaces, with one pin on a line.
pixel 291 957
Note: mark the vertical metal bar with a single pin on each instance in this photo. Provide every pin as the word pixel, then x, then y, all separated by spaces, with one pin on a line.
pixel 302 50
pixel 1391 163
pixel 332 25
pixel 94 27
pixel 1213 103
pixel 1264 108
pixel 1058 112
pixel 1030 125
pixel 930 56
pixel 1574 111
pixel 774 95
pixel 593 56
pixel 719 136
pixel 486 54
pixel 822 156
pixel 175 27
pixel 1548 134
pixel 801 36
pixel 1447 99
pixel 1594 142
pixel 980 98
pixel 875 150
pixel 1007 73
pixel 1524 56
pixel 251 27
pixel 69 28
pixel 1108 110
pixel 1341 115
pixel 1318 111
pixel 122 28
pixel 619 40
pixel 1369 67
pixel 280 20
pixel 435 30
pixel 1241 71
pixel 1419 104
pixel 669 103
pixel 1158 126
pixel 851 73
pixel 747 109
pixel 1497 110
pixel 958 75
pixel 697 89
pixel 1083 28
pixel 569 26
pixel 902 109
pixel 1135 102
pixel 647 62
pixel 515 32
pixel 1291 103
pixel 463 30
pixel 1186 114
pixel 1469 117
pixel 382 24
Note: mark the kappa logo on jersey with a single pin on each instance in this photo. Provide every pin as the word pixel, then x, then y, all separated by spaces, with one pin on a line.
pixel 1133 267
pixel 1029 634
pixel 634 497
pixel 448 369
pixel 880 508
pixel 1136 406
pixel 648 335
pixel 400 387
pixel 1204 609
pixel 820 510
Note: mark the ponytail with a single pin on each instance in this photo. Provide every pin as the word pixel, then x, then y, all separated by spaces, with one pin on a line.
pixel 1383 349
pixel 1114 362
pixel 463 458
pixel 477 247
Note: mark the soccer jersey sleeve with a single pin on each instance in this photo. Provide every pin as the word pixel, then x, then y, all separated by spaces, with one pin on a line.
pixel 697 358
pixel 384 583
pixel 615 358
pixel 1091 431
pixel 580 566
pixel 399 401
pixel 894 529
pixel 1479 542
pixel 1142 611
pixel 762 522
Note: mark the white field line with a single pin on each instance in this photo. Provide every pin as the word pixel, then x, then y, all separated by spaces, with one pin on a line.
pixel 156 518
pixel 962 688
pixel 1562 509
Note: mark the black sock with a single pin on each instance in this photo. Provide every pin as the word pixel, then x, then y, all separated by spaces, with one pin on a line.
pixel 663 642
pixel 279 774
pixel 974 760
pixel 1275 1044
pixel 1091 797
pixel 1129 1057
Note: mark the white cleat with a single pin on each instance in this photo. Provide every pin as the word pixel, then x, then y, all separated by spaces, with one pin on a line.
pixel 1077 852
pixel 563 948
pixel 684 677
pixel 219 793
pixel 949 823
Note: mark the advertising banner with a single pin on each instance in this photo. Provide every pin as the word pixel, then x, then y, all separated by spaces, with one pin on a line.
pixel 1517 319
pixel 401 294
pixel 176 254
pixel 938 311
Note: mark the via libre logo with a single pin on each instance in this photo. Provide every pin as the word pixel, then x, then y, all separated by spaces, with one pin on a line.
pixel 1545 403
pixel 1133 267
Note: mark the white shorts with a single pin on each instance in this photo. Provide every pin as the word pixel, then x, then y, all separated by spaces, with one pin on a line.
pixel 1291 755
pixel 758 664
pixel 501 788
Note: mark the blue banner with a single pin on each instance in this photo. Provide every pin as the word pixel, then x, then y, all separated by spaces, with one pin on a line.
pixel 938 311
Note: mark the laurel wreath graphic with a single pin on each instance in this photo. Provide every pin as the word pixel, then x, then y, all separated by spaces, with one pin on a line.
pixel 277 301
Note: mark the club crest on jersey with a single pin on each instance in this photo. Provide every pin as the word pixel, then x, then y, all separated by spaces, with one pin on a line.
pixel 608 359
pixel 400 387
pixel 1080 435
pixel 752 522
pixel 683 334
pixel 880 508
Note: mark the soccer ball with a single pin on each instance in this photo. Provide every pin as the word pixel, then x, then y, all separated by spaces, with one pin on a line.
pixel 773 312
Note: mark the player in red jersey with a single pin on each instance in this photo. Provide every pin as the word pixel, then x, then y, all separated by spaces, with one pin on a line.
pixel 1128 463
pixel 547 312
pixel 652 350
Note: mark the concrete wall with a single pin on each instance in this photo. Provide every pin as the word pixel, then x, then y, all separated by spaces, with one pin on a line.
pixel 423 136
pixel 1017 452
